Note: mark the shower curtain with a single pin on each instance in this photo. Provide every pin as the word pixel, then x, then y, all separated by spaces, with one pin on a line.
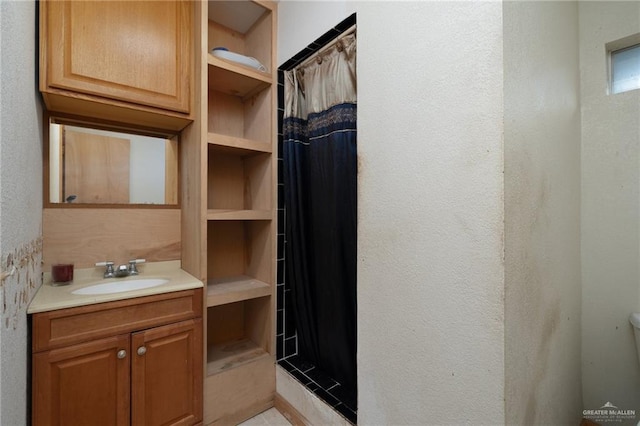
pixel 320 166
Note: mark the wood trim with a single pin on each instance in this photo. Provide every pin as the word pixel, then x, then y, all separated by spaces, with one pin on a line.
pixel 63 327
pixel 238 394
pixel 60 161
pixel 54 206
pixel 225 290
pixel 193 161
pixel 171 175
pixel 114 126
pixel 232 214
pixel 43 49
pixel 236 80
pixel 294 416
pixel 64 101
pixel 235 144
pixel 46 170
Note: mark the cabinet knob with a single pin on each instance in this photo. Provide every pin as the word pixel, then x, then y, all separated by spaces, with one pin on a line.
pixel 142 350
pixel 122 354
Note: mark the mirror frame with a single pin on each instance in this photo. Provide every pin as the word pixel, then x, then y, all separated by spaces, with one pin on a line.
pixel 73 120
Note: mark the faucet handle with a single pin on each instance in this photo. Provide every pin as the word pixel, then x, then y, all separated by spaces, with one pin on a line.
pixel 108 273
pixel 133 270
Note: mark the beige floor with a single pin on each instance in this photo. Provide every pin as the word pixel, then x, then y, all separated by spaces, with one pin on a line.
pixel 270 417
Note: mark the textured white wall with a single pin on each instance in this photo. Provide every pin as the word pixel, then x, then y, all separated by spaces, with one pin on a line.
pixel 20 199
pixel 430 277
pixel 430 221
pixel 542 213
pixel 610 213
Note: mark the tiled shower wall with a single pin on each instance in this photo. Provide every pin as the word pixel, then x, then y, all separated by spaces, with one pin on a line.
pixel 326 388
pixel 286 336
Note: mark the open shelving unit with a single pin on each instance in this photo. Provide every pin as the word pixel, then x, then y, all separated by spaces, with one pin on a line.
pixel 238 209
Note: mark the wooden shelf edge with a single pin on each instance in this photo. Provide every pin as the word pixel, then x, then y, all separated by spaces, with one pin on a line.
pixel 239 69
pixel 235 289
pixel 242 144
pixel 230 355
pixel 236 80
pixel 229 214
pixel 114 111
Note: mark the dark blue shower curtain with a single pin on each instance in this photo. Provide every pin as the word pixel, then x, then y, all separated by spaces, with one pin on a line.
pixel 320 174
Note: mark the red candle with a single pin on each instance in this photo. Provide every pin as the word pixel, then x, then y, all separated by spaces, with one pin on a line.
pixel 62 273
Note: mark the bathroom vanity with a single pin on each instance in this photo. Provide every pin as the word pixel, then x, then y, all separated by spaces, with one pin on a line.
pixel 220 223
pixel 131 357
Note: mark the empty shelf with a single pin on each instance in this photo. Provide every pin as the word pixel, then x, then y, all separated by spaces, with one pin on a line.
pixel 234 289
pixel 225 356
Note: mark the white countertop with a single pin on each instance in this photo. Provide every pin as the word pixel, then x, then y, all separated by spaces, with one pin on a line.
pixel 50 297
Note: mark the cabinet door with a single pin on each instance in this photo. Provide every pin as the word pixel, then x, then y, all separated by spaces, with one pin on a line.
pixel 84 384
pixel 167 375
pixel 133 51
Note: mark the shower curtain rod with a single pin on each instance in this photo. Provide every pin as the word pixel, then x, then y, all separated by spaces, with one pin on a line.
pixel 327 46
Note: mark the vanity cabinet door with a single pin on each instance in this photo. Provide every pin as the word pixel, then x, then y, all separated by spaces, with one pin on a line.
pixel 133 51
pixel 167 374
pixel 83 384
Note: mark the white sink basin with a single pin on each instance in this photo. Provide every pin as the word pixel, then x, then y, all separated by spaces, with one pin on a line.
pixel 109 287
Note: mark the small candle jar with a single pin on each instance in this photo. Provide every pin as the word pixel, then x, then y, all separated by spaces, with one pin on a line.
pixel 62 274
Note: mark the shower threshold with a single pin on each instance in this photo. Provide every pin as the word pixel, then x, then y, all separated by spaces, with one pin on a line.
pixel 340 398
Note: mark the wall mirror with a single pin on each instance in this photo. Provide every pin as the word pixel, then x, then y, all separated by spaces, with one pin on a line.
pixel 98 165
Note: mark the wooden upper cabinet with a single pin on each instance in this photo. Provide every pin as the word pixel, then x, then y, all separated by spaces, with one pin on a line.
pixel 131 55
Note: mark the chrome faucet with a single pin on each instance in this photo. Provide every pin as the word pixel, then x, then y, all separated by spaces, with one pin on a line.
pixel 122 270
pixel 133 270
pixel 109 272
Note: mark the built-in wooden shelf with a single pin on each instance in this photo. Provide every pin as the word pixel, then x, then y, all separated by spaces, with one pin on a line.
pixel 239 146
pixel 228 214
pixel 221 291
pixel 234 79
pixel 238 142
pixel 226 356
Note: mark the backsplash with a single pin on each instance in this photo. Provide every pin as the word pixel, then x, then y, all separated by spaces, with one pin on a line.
pixel 84 236
pixel 21 277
